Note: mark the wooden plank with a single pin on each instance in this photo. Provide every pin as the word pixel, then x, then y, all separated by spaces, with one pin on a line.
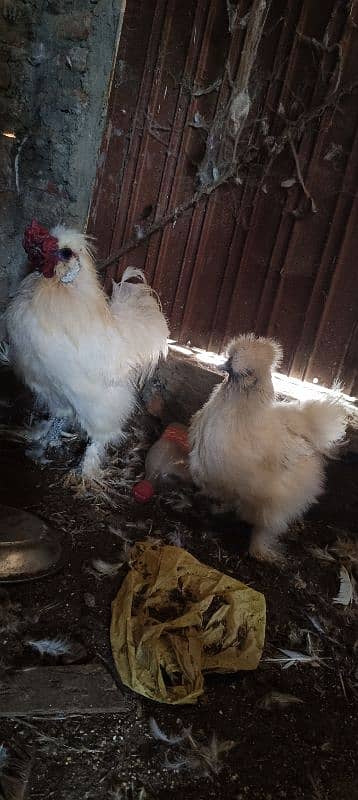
pixel 180 371
pixel 66 691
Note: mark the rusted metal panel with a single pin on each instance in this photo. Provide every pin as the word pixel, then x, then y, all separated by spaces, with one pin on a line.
pixel 275 249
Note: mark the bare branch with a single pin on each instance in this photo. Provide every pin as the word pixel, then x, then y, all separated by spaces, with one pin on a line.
pixel 230 118
pixel 322 46
pixel 166 219
pixel 212 87
pixel 232 15
pixel 274 146
pixel 300 176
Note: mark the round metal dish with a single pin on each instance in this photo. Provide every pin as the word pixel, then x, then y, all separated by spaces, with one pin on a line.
pixel 28 548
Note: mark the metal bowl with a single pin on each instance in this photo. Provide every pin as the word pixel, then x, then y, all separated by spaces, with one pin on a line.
pixel 29 549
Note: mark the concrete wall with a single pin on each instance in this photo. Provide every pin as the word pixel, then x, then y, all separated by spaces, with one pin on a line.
pixel 55 66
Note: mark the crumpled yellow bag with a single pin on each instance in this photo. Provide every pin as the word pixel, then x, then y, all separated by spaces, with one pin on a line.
pixel 175 618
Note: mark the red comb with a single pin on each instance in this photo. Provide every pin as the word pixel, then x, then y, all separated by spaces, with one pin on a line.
pixel 41 248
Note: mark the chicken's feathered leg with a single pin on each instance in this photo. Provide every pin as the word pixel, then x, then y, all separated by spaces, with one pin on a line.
pixel 265 543
pixel 92 460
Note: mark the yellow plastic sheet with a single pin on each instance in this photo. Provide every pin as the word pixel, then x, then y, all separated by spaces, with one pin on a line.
pixel 174 619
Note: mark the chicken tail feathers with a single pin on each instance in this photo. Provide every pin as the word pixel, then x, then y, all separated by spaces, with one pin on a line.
pixel 133 272
pixel 324 424
pixel 138 311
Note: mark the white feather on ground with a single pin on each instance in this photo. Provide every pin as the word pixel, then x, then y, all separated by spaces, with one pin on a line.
pixel 4 756
pixel 50 647
pixel 322 555
pixel 14 775
pixel 291 658
pixel 107 569
pixel 347 592
pixel 315 623
pixel 203 758
pixel 4 354
pixel 193 755
pixel 158 734
pixel 274 699
pixel 117 532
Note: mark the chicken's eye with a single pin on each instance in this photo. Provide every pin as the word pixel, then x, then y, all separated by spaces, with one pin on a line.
pixel 65 254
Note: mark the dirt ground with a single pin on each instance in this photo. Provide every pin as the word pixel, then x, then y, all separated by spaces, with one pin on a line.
pixel 305 749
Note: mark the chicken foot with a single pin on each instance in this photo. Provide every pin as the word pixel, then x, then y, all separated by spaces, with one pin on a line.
pixel 265 544
pixel 47 434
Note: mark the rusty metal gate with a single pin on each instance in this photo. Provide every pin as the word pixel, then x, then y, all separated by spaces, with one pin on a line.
pixel 229 172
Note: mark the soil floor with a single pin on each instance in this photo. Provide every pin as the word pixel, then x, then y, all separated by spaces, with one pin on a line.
pixel 306 749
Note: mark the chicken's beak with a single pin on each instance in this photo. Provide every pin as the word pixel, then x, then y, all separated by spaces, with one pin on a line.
pixel 68 271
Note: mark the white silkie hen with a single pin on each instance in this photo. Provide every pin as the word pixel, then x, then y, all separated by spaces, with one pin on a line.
pixel 80 353
pixel 264 458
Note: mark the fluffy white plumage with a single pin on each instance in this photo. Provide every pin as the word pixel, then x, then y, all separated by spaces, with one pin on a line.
pixel 262 457
pixel 80 353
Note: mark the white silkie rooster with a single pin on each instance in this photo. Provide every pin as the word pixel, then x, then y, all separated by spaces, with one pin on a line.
pixel 80 353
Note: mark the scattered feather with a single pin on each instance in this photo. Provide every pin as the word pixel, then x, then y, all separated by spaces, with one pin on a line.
pixel 211 754
pixel 4 354
pixel 121 535
pixel 4 756
pixel 315 623
pixel 15 774
pixel 105 569
pixel 322 555
pixel 176 538
pixel 186 762
pixel 192 754
pixel 201 757
pixel 318 627
pixel 291 658
pixel 158 734
pixel 310 646
pixel 141 525
pixel 274 699
pixel 36 614
pixel 344 690
pixel 346 594
pixel 346 549
pixel 50 647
